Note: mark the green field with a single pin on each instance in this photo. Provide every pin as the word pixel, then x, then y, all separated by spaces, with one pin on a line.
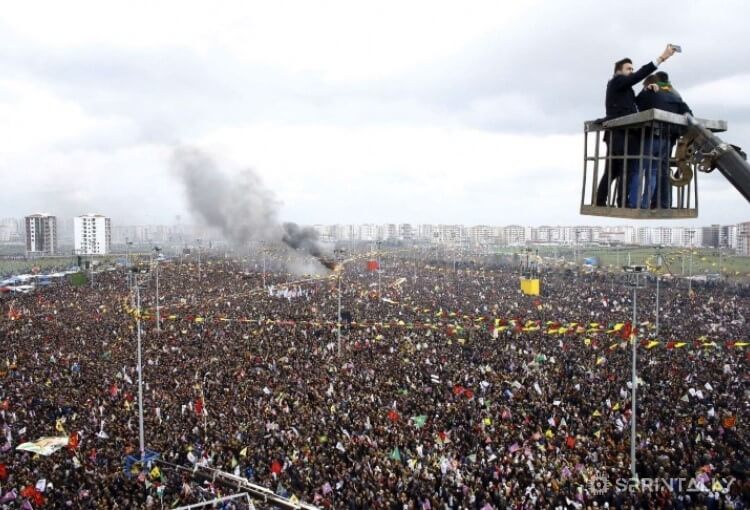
pixel 704 260
pixel 45 264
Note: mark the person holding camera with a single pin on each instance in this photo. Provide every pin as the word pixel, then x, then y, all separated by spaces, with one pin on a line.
pixel 619 101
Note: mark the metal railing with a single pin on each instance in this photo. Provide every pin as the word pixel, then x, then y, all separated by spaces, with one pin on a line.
pixel 639 166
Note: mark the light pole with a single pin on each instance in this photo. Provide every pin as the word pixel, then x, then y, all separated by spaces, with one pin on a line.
pixel 158 318
pixel 263 251
pixel 141 443
pixel 198 242
pixel 338 257
pixel 633 277
pixel 659 263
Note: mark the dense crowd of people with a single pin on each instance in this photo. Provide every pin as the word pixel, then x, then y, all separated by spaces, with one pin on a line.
pixel 449 389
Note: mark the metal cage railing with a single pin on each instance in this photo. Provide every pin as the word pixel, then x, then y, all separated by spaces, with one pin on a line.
pixel 639 166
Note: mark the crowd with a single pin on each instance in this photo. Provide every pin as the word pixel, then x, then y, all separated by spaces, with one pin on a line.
pixel 450 389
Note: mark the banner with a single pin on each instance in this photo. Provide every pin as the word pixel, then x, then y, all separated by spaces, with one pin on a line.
pixel 44 445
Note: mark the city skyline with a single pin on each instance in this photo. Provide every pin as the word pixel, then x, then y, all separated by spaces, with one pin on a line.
pixel 732 236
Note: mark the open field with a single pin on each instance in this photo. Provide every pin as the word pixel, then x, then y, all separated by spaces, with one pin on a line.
pixel 704 260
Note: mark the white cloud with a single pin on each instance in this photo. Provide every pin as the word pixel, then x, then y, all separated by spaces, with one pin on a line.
pixel 387 111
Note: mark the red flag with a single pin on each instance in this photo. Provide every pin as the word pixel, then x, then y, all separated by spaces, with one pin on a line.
pixel 393 415
pixel 3 472
pixel 73 440
pixel 626 331
pixel 458 390
pixel 198 406
pixel 469 394
pixel 29 492
pixel 276 467
pixel 373 265
pixel 570 442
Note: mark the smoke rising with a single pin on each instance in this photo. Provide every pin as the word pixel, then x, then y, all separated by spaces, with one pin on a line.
pixel 241 208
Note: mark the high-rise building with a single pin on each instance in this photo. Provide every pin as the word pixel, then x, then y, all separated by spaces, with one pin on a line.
pixel 743 239
pixel 514 235
pixel 41 234
pixel 9 230
pixel 728 237
pixel 480 234
pixel 711 236
pixel 92 234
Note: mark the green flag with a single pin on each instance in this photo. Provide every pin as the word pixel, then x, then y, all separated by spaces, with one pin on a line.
pixel 420 420
pixel 395 454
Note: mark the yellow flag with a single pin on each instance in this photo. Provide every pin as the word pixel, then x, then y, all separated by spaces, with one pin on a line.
pixel 652 344
pixel 600 360
pixel 596 413
pixel 616 407
pixel 243 452
pixel 680 344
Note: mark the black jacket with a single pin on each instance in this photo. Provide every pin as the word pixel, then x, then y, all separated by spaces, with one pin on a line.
pixel 662 100
pixel 620 98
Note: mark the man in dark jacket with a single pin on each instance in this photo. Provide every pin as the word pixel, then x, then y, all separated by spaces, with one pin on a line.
pixel 658 93
pixel 619 101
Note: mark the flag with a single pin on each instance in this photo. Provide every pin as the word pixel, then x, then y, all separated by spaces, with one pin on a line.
pixel 570 442
pixel 393 415
pixel 276 467
pixel 729 421
pixel 652 344
pixel 155 473
pixel 198 406
pixel 420 420
pixel 73 440
pixel 396 454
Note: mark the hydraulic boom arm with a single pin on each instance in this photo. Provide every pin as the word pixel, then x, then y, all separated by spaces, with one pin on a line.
pixel 703 150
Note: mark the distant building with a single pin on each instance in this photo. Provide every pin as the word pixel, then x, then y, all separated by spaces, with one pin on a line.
pixel 9 230
pixel 743 239
pixel 514 235
pixel 711 236
pixel 728 237
pixel 92 234
pixel 480 234
pixel 41 234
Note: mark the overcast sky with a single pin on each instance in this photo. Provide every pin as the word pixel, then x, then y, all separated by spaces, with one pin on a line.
pixel 351 112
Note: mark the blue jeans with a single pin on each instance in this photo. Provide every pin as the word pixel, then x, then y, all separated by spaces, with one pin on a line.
pixel 662 197
pixel 654 151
